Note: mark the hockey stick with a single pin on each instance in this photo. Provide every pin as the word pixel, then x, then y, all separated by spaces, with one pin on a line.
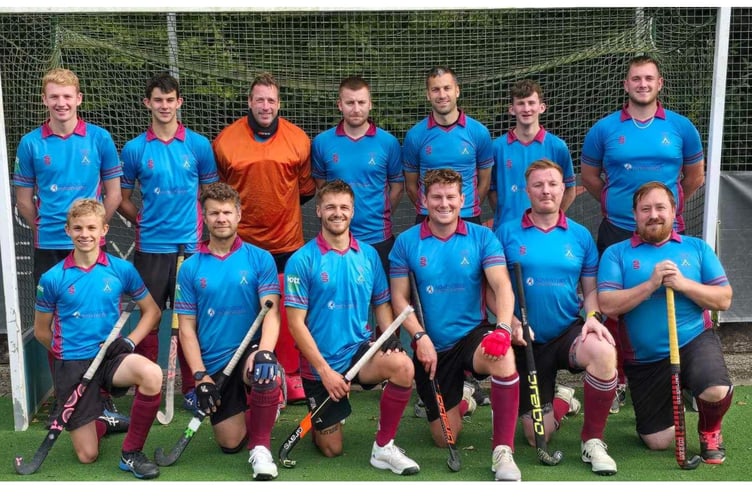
pixel 453 462
pixel 62 418
pixel 676 392
pixel 532 379
pixel 168 459
pixel 166 417
pixel 307 423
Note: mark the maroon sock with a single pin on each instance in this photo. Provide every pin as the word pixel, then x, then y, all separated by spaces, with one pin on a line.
pixel 464 406
pixel 101 429
pixel 505 401
pixel 394 400
pixel 614 326
pixel 711 414
pixel 561 408
pixel 143 412
pixel 263 407
pixel 186 376
pixel 599 394
pixel 149 346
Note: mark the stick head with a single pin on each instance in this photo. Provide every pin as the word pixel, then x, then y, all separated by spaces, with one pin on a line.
pixel 691 463
pixel 547 459
pixel 287 462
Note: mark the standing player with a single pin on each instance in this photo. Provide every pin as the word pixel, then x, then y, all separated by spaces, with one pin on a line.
pixel 170 163
pixel 451 260
pixel 78 303
pixel 558 259
pixel 330 283
pixel 642 142
pixel 514 151
pixel 366 157
pixel 448 138
pixel 267 160
pixel 632 281
pixel 220 292
pixel 57 163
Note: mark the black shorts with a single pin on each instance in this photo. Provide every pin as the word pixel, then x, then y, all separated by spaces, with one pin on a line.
pixel 608 234
pixel 316 394
pixel 280 259
pixel 383 248
pixel 702 366
pixel 554 355
pixel 158 272
pixel 68 374
pixel 234 392
pixel 450 372
pixel 45 259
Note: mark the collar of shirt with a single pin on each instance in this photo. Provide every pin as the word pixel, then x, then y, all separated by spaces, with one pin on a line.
pixel 512 136
pixel 179 134
pixel 461 121
pixel 70 262
pixel 527 221
pixel 660 112
pixel 80 129
pixel 324 245
pixel 340 129
pixel 636 241
pixel 203 247
pixel 425 229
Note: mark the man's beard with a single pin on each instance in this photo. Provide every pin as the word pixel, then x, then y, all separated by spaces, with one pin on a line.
pixel 654 236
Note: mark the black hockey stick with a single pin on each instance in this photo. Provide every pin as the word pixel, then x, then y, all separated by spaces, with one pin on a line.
pixel 307 423
pixel 532 379
pixel 168 459
pixel 453 462
pixel 63 416
pixel 166 417
pixel 676 392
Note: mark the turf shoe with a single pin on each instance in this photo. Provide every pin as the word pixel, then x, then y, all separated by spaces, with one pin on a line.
pixel 467 395
pixel 113 423
pixel 620 398
pixel 503 465
pixel 595 453
pixel 480 395
pixel 137 463
pixel 390 457
pixel 712 450
pixel 111 411
pixel 420 408
pixel 262 463
pixel 567 394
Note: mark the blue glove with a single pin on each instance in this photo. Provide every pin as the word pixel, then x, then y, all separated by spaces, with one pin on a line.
pixel 265 366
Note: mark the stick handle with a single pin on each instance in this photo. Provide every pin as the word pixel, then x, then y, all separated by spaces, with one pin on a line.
pixel 114 333
pixel 673 337
pixel 247 339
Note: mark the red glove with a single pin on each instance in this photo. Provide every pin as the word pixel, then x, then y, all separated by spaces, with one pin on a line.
pixel 497 342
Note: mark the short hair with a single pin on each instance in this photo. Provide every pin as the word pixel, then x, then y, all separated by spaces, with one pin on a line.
pixel 86 206
pixel 219 191
pixel 337 186
pixel 164 82
pixel 60 76
pixel 265 79
pixel 438 71
pixel 543 164
pixel 643 190
pixel 441 176
pixel 643 59
pixel 525 88
pixel 354 83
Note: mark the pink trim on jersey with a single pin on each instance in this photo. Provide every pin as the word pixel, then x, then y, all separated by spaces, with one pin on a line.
pixel 79 130
pixel 636 241
pixel 324 245
pixel 70 262
pixel 203 247
pixel 425 229
pixel 527 222
pixel 179 134
pixel 539 137
pixel 461 121
pixel 340 129
pixel 659 113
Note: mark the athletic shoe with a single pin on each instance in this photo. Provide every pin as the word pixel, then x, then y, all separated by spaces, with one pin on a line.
pixel 567 394
pixel 262 463
pixel 619 399
pixel 294 384
pixel 190 402
pixel 113 423
pixel 480 395
pixel 595 453
pixel 137 463
pixel 111 411
pixel 711 447
pixel 503 464
pixel 467 395
pixel 420 408
pixel 393 458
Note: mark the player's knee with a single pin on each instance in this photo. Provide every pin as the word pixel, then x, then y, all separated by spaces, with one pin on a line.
pixel 403 373
pixel 268 386
pixel 234 449
pixel 88 455
pixel 150 378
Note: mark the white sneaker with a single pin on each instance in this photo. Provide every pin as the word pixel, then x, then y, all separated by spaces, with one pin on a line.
pixel 263 464
pixel 503 464
pixel 467 395
pixel 567 394
pixel 420 409
pixel 595 452
pixel 393 458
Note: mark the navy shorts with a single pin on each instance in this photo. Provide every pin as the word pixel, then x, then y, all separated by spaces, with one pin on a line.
pixel 702 366
pixel 158 272
pixel 450 372
pixel 550 357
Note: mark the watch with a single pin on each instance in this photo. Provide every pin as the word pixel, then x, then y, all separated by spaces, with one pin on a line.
pixel 199 375
pixel 418 336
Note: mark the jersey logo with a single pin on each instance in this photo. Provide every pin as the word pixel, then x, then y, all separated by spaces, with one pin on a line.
pixel 330 305
pixel 71 290
pixel 423 262
pixel 47 160
pixel 509 163
pixel 622 140
pixel 150 164
pixel 106 288
pixel 666 141
pixel 85 157
pixel 372 161
pixel 324 277
pixel 514 188
pixel 157 190
pixel 530 281
pixel 243 280
pixel 429 150
pixel 186 162
pixel 210 312
pixel 465 151
pixel 335 158
pixel 635 264
pixel 429 289
pixel 360 279
pixel 627 166
pixel 202 282
pixel 53 188
pixel 523 250
pixel 568 252
pixel 465 262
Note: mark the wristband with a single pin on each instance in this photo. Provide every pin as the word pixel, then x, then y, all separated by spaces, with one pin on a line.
pixel 504 326
pixel 130 342
pixel 596 314
pixel 416 338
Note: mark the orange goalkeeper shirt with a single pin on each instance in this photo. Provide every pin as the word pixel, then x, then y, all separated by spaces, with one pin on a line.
pixel 270 177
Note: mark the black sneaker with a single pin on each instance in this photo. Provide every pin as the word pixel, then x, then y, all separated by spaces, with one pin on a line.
pixel 711 447
pixel 137 463
pixel 110 410
pixel 113 423
pixel 480 395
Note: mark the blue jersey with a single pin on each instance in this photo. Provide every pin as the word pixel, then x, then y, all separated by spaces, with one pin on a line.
pixel 450 276
pixel 64 169
pixel 224 294
pixel 631 262
pixel 335 288
pixel 553 262
pixel 368 165
pixel 465 147
pixel 631 155
pixel 169 175
pixel 85 303
pixel 511 159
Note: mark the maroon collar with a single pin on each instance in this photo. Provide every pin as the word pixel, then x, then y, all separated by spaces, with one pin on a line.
pixel 179 134
pixel 636 241
pixel 659 113
pixel 527 222
pixel 324 245
pixel 80 129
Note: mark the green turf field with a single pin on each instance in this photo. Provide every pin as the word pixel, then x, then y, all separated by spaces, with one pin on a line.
pixel 202 461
